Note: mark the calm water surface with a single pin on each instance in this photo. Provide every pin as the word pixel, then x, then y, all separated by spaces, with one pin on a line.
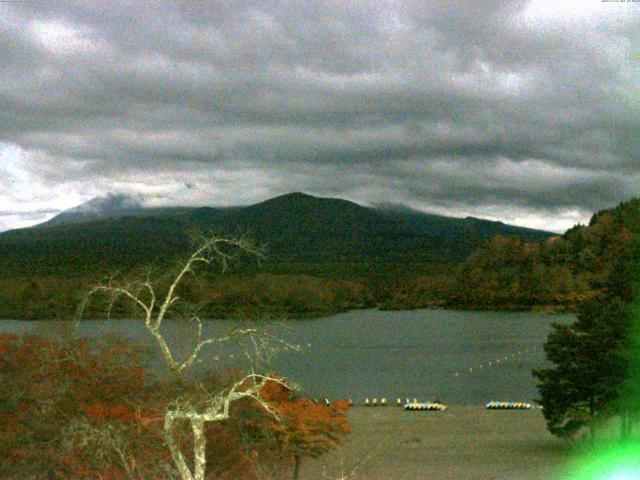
pixel 368 353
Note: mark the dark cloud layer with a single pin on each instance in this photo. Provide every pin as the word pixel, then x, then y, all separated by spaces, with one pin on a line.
pixel 527 112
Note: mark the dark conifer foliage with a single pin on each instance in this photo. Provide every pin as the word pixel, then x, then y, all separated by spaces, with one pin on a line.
pixel 596 359
pixel 589 367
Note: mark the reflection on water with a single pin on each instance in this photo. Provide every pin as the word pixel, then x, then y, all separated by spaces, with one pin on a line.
pixel 367 353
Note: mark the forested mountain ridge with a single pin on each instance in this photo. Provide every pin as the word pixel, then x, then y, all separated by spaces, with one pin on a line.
pixel 326 255
pixel 559 272
pixel 295 228
pixel 323 255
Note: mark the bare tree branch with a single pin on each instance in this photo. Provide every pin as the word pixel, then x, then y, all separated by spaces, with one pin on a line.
pixel 144 295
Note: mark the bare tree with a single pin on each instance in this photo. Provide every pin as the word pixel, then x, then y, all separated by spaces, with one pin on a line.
pixel 214 409
pixel 154 307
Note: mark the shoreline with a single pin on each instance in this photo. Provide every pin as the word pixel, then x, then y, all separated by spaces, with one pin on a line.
pixel 461 443
pixel 537 309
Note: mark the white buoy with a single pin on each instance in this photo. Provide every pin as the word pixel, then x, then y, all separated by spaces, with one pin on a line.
pixel 383 402
pixel 366 402
pixel 375 402
pixel 415 400
pixel 398 402
pixel 326 402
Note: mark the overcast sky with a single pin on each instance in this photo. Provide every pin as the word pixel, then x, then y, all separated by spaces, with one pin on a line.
pixel 526 112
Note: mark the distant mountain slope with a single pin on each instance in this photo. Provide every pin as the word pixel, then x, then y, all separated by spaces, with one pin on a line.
pixel 109 206
pixel 296 227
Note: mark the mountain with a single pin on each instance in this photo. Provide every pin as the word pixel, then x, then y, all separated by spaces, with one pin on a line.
pixel 110 206
pixel 119 232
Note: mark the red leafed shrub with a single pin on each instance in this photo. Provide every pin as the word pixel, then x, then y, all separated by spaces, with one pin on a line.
pixel 105 412
pixel 62 400
pixel 72 409
pixel 259 444
pixel 305 428
pixel 6 339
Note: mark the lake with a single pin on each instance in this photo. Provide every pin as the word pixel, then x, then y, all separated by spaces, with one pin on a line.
pixel 460 357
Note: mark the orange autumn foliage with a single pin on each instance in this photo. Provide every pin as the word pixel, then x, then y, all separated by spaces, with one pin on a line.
pixel 47 384
pixel 62 402
pixel 306 429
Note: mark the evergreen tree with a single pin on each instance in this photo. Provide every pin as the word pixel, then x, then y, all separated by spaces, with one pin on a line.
pixel 590 367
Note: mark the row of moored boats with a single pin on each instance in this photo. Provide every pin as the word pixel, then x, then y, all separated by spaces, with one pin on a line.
pixel 436 405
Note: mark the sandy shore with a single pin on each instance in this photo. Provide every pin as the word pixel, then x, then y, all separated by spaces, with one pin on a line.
pixel 458 444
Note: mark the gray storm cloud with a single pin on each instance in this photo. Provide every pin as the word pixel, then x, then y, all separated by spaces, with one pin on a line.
pixel 522 110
